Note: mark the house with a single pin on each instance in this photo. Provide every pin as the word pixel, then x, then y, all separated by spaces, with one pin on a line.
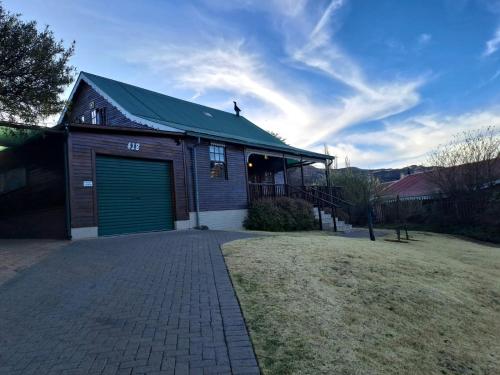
pixel 416 186
pixel 123 159
pixel 422 185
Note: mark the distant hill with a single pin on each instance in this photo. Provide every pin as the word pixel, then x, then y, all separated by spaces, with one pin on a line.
pixel 317 175
pixel 394 174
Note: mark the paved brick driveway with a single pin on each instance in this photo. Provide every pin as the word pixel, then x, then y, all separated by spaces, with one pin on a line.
pixel 17 255
pixel 158 303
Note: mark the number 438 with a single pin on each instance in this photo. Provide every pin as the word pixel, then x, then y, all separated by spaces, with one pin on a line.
pixel 132 146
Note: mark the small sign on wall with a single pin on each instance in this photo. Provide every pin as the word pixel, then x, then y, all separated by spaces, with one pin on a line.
pixel 88 183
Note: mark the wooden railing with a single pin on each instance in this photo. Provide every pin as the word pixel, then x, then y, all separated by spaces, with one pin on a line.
pixel 322 197
pixel 313 194
pixel 261 191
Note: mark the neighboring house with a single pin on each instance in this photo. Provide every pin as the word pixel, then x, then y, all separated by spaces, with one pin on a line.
pixel 123 159
pixel 420 186
pixel 416 186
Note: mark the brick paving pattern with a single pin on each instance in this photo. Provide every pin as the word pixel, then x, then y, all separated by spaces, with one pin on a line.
pixel 16 255
pixel 158 303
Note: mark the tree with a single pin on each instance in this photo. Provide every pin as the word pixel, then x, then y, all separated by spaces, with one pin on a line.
pixel 359 188
pixel 468 164
pixel 34 70
pixel 277 135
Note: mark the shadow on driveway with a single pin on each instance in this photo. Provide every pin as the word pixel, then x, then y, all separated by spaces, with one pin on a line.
pixel 17 255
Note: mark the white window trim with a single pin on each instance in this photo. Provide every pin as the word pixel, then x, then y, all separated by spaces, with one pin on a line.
pixel 93 116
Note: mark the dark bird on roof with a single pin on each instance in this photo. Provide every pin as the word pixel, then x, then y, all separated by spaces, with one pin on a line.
pixel 236 109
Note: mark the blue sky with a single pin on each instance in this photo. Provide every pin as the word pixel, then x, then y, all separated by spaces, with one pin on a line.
pixel 382 82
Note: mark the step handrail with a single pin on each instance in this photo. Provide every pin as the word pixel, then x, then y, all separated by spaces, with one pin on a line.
pixel 316 200
pixel 313 198
pixel 333 197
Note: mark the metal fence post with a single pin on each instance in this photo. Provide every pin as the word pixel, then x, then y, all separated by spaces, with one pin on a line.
pixel 334 215
pixel 320 218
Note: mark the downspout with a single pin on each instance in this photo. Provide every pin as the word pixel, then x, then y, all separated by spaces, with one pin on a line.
pixel 186 175
pixel 66 182
pixel 195 177
pixel 328 165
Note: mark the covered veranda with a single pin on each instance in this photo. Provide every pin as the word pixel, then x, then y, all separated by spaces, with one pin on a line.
pixel 270 174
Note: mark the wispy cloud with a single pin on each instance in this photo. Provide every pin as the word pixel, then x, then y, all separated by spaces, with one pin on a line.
pixel 493 44
pixel 225 66
pixel 424 39
pixel 408 141
pixel 231 67
pixel 285 7
pixel 495 76
pixel 369 101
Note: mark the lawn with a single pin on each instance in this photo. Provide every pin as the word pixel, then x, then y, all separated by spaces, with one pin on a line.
pixel 317 303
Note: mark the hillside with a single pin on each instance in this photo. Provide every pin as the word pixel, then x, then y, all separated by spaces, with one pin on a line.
pixel 317 175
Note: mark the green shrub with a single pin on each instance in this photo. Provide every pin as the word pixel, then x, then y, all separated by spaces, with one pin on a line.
pixel 280 215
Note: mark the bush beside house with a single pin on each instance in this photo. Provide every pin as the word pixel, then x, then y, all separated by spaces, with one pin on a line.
pixel 280 215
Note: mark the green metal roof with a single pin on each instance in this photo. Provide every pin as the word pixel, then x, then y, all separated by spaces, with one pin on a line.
pixel 193 119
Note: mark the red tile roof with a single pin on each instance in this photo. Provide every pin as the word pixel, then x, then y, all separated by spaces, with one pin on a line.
pixel 413 185
pixel 420 185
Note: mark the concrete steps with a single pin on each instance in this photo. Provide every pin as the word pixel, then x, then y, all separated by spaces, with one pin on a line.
pixel 327 221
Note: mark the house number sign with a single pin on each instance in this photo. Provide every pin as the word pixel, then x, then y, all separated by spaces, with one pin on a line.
pixel 133 146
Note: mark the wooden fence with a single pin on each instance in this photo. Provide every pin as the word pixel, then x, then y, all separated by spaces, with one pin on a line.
pixel 433 210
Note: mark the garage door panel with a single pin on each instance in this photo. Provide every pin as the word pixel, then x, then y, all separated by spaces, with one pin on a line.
pixel 133 195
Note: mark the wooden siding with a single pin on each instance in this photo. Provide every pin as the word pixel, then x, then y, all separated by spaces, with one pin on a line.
pixel 215 194
pixel 81 106
pixel 83 149
pixel 38 209
pixel 218 193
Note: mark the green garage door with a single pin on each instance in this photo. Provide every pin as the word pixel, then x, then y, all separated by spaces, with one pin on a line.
pixel 133 195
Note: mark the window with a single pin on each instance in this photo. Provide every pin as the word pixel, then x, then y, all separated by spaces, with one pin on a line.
pixel 218 161
pixel 82 119
pixel 98 116
pixel 12 180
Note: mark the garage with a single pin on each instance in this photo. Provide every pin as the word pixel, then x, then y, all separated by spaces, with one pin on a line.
pixel 133 195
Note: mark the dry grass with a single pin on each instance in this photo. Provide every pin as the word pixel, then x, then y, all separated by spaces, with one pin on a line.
pixel 332 305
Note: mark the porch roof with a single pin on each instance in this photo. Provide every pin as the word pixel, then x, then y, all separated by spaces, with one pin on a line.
pixel 14 135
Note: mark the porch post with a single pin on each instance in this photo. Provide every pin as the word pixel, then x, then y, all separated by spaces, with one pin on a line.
pixel 285 177
pixel 247 157
pixel 302 170
pixel 327 175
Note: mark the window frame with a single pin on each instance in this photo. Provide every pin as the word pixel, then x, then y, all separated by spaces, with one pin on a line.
pixel 218 159
pixel 102 115
pixel 98 116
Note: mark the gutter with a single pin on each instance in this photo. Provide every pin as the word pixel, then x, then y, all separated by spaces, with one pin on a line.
pixel 66 183
pixel 240 141
pixel 195 182
pixel 124 129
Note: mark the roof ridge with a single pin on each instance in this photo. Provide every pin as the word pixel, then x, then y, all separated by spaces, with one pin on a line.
pixel 156 109
pixel 124 86
pixel 159 93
